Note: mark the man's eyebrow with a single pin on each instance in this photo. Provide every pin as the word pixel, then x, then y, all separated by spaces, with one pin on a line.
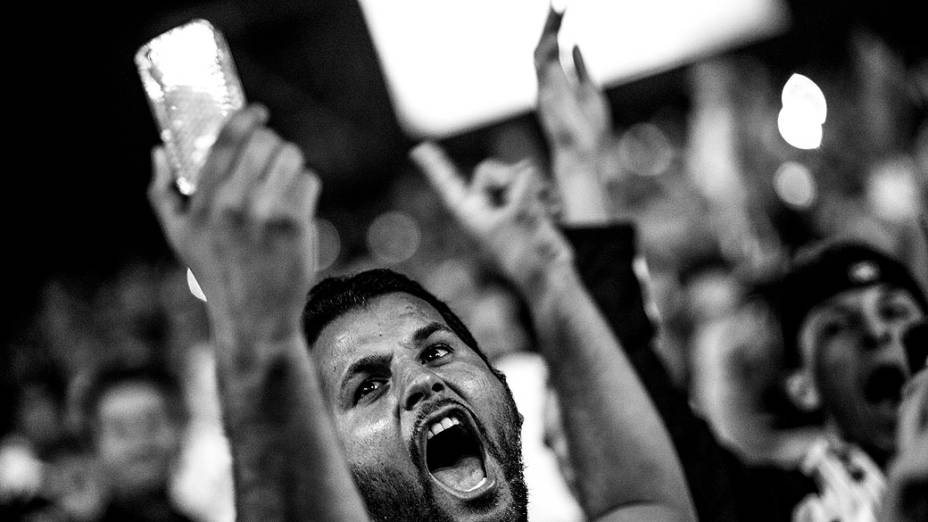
pixel 374 362
pixel 423 333
pixel 840 309
pixel 893 292
pixel 367 364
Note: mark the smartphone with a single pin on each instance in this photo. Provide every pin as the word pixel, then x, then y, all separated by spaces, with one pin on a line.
pixel 192 88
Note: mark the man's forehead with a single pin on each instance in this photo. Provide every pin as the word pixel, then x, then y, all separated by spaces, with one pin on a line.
pixel 389 314
pixel 853 299
pixel 378 326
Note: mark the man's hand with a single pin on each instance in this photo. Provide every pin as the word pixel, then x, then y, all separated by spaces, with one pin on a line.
pixel 246 232
pixel 906 499
pixel 573 111
pixel 501 208
pixel 576 121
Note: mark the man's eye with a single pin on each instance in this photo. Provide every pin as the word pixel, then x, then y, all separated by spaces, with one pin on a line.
pixel 833 328
pixel 368 387
pixel 892 311
pixel 435 352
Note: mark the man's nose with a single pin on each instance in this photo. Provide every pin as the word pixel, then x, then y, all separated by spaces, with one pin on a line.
pixel 879 332
pixel 421 384
pixel 876 337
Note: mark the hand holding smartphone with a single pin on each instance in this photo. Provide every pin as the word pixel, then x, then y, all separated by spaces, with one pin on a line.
pixel 192 88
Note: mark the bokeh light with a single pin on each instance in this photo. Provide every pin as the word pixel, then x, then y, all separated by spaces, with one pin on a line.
pixel 644 149
pixel 802 94
pixel 795 185
pixel 194 286
pixel 799 129
pixel 803 114
pixel 393 237
pixel 892 191
pixel 328 243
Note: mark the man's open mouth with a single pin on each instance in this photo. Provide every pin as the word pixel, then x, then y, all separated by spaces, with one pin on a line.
pixel 884 386
pixel 454 453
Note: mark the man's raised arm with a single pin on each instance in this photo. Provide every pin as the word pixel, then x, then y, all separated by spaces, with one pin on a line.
pixel 626 466
pixel 246 234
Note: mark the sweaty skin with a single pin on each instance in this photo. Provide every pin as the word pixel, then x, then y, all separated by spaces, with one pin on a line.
pixel 387 364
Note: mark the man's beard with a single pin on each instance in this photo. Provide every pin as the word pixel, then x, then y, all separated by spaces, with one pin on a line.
pixel 389 496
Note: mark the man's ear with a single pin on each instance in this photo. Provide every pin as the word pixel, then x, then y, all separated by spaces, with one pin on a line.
pixel 801 389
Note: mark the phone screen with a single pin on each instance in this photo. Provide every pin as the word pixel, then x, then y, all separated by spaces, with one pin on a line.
pixel 192 87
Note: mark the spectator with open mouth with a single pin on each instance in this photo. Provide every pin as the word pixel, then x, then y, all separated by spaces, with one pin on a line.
pixel 846 311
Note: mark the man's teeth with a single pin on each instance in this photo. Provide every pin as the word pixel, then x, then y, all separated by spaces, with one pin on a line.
pixel 477 485
pixel 441 425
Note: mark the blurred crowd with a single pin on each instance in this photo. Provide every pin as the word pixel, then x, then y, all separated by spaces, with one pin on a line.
pixel 114 408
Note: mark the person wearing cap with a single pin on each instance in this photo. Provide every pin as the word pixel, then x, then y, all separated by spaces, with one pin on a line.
pixel 337 406
pixel 846 310
pixel 883 307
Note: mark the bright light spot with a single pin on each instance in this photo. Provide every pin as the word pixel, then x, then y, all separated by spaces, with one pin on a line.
pixel 795 185
pixel 195 286
pixel 892 191
pixel 185 186
pixel 803 95
pixel 803 114
pixel 20 469
pixel 189 77
pixel 799 128
pixel 185 49
pixel 644 149
pixel 559 5
pixel 476 68
pixel 328 244
pixel 393 237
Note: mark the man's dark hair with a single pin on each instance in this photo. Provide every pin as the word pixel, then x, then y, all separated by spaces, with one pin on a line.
pixel 112 375
pixel 335 296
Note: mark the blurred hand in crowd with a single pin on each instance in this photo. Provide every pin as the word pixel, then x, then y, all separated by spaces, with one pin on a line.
pixel 577 124
pixel 501 207
pixel 246 232
pixel 907 489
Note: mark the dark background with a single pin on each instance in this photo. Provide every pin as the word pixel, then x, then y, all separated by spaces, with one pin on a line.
pixel 78 164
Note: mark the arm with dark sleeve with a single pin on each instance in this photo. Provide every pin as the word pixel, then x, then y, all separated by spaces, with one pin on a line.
pixel 626 466
pixel 722 487
pixel 576 119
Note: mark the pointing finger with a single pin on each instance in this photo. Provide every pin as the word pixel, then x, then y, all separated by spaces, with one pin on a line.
pixel 441 172
pixel 546 50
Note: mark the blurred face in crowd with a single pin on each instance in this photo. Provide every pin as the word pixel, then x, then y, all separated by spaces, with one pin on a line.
pixel 852 345
pixel 75 482
pixel 137 438
pixel 429 430
pixel 38 415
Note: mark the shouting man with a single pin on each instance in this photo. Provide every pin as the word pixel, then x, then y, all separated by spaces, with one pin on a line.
pixel 375 401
